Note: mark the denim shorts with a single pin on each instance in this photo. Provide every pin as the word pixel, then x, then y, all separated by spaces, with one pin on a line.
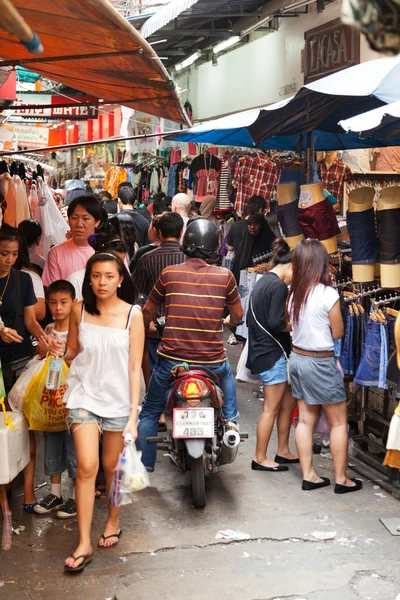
pixel 81 416
pixel 363 237
pixel 276 374
pixel 389 235
pixel 59 453
pixel 288 215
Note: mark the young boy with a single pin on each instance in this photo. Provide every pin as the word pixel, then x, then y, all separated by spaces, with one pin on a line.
pixel 59 449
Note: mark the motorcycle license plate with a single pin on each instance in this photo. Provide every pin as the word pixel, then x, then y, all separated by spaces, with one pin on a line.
pixel 193 423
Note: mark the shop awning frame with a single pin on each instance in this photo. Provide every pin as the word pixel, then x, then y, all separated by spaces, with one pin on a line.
pixel 90 47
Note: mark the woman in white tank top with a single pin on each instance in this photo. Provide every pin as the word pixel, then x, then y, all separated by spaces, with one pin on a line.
pixel 105 349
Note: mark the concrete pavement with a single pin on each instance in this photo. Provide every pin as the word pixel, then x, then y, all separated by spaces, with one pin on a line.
pixel 169 549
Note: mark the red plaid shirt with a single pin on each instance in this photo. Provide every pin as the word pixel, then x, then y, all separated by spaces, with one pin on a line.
pixel 254 175
pixel 334 177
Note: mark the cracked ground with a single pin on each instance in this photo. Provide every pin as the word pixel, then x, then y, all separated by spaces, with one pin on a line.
pixel 169 549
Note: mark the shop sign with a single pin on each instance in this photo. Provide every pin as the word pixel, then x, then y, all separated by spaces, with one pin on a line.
pixel 26 136
pixel 330 48
pixel 55 111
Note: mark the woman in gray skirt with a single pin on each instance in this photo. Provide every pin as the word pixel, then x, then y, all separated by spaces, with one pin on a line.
pixel 316 380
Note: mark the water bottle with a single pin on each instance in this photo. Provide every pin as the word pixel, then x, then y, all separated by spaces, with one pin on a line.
pixel 54 373
pixel 6 534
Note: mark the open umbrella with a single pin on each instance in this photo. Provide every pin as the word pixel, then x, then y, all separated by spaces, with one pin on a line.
pixel 320 105
pixel 233 130
pixel 383 122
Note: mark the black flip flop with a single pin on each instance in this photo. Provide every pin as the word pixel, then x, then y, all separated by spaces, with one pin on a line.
pixel 107 537
pixel 345 489
pixel 87 558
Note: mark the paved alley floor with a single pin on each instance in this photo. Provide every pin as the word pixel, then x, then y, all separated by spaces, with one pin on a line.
pixel 169 549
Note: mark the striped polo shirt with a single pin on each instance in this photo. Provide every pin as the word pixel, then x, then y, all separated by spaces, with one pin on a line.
pixel 195 295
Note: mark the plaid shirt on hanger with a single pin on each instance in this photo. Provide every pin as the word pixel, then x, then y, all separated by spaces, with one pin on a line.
pixel 334 177
pixel 254 175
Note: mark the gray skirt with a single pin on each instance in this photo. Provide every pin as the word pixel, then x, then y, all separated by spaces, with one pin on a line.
pixel 316 380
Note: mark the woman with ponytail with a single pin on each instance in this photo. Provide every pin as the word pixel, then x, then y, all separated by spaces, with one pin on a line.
pixel 269 348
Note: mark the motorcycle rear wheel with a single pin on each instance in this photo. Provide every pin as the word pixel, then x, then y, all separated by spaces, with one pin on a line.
pixel 198 482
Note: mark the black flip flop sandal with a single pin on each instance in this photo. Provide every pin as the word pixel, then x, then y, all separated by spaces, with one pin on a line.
pixel 87 558
pixel 107 537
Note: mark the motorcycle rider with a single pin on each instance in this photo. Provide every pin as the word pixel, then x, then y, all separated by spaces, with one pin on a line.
pixel 195 294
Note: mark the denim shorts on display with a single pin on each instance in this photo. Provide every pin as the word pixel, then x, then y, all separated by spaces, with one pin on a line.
pixel 59 453
pixel 316 380
pixel 288 216
pixel 319 221
pixel 372 369
pixel 389 235
pixel 81 416
pixel 363 237
pixel 276 374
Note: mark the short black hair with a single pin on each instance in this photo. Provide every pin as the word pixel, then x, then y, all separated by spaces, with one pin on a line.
pixel 103 242
pixel 91 204
pixel 255 204
pixel 105 195
pixel 110 206
pixel 32 231
pixel 126 194
pixel 61 285
pixel 126 292
pixel 171 225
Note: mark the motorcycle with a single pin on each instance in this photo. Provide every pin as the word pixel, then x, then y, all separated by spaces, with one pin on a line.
pixel 200 440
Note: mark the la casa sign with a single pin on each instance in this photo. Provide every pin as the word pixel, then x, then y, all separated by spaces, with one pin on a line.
pixel 330 48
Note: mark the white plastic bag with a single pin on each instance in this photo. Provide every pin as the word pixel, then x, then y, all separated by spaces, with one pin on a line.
pixel 130 475
pixel 16 394
pixel 242 372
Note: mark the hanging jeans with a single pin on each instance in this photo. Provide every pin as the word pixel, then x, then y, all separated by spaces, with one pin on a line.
pixel 374 360
pixel 347 357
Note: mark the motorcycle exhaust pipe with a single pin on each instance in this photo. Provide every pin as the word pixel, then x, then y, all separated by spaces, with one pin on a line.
pixel 230 447
pixel 231 439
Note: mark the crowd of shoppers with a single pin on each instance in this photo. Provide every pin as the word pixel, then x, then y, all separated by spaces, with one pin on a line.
pixel 119 255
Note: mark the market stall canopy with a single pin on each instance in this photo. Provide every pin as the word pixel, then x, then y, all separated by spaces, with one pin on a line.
pixel 90 47
pixel 233 130
pixel 382 122
pixel 323 103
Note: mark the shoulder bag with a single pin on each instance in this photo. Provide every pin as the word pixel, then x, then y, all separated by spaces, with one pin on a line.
pixel 275 340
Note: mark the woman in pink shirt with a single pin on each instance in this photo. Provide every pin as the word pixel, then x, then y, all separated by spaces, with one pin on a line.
pixel 84 215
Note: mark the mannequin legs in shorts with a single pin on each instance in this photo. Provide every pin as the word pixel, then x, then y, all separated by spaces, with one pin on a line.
pixel 337 419
pixel 278 404
pixel 86 439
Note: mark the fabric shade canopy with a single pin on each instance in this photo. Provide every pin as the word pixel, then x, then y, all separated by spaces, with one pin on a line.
pixel 383 122
pixel 233 130
pixel 322 104
pixel 90 47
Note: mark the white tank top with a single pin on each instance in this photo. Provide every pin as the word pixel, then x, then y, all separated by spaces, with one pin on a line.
pixel 98 379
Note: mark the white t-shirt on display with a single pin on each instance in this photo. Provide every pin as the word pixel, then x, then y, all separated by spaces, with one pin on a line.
pixel 313 331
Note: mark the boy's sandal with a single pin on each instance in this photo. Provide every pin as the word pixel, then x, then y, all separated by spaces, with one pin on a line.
pixel 107 537
pixel 30 508
pixel 87 558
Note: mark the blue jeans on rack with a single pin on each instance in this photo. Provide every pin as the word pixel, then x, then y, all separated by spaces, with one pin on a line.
pixel 374 360
pixel 347 357
pixel 155 401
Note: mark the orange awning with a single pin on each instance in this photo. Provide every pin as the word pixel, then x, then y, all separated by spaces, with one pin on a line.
pixel 90 47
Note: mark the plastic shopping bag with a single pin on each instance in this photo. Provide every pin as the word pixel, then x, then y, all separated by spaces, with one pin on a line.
pixel 44 408
pixel 242 372
pixel 130 475
pixel 16 394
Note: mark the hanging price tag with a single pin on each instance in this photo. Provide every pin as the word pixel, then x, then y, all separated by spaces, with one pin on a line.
pixel 305 199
